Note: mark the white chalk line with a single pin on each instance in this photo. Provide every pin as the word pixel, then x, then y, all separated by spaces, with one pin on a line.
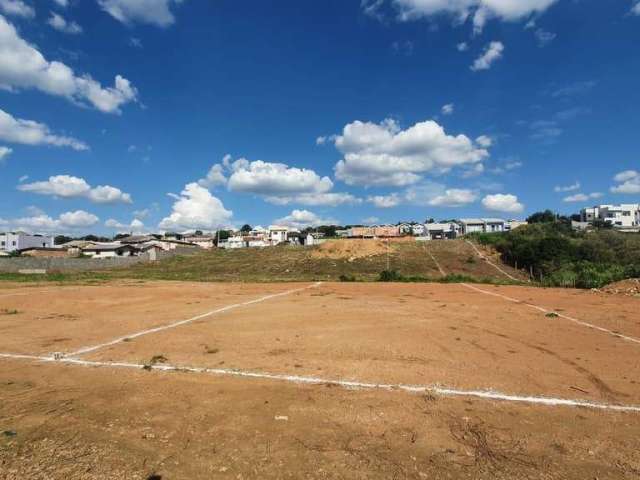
pixel 348 384
pixel 484 257
pixel 561 315
pixel 442 272
pixel 169 326
pixel 22 292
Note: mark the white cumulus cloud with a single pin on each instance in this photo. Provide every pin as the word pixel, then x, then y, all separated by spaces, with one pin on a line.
pixel 136 226
pixel 491 54
pixel 4 153
pixel 17 8
pixel 581 197
pixel 478 10
pixel 277 183
pixel 153 12
pixel 22 66
pixel 567 188
pixel 196 208
pixel 301 219
pixel 28 132
pixel 454 197
pixel 385 201
pixel 628 182
pixel 59 23
pixel 503 203
pixel 67 186
pixel 447 109
pixel 265 178
pixel 384 154
pixel 65 222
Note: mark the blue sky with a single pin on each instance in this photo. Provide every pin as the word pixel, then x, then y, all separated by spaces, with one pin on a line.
pixel 144 115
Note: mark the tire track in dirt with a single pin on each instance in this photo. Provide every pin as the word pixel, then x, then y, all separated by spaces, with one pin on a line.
pixel 604 389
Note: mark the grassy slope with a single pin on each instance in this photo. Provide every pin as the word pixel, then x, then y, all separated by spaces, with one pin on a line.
pixel 295 264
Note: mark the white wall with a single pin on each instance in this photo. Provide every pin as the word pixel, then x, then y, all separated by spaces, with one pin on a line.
pixel 17 241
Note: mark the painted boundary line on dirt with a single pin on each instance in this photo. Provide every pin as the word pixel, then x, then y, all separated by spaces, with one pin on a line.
pixel 484 257
pixel 15 294
pixel 348 384
pixel 442 272
pixel 169 326
pixel 561 315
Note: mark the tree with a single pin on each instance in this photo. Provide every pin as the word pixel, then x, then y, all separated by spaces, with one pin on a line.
pixel 222 235
pixel 60 239
pixel 198 233
pixel 246 228
pixel 543 217
pixel 600 224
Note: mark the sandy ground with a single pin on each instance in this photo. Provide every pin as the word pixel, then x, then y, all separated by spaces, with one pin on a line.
pixel 82 422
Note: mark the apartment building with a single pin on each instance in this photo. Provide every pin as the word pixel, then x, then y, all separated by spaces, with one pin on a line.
pixel 625 216
pixel 11 241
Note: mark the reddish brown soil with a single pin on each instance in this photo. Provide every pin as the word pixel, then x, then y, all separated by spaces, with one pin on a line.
pixel 74 422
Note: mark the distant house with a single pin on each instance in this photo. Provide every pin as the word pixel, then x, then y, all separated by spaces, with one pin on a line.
pixel 171 244
pixel 624 217
pixel 136 239
pixel 310 240
pixel 418 229
pixel 278 234
pixel 110 250
pixel 203 241
pixel 471 225
pixel 513 224
pixel 442 231
pixel 232 242
pixel 11 241
pixel 405 228
pixel 482 225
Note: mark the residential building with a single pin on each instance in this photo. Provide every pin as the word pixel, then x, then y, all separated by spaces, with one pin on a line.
pixel 482 225
pixel 203 241
pixel 110 250
pixel 418 229
pixel 625 217
pixel 442 231
pixel 11 241
pixel 278 234
pixel 513 224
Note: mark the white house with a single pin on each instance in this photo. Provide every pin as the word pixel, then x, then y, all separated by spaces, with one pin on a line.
pixel 482 225
pixel 624 217
pixel 110 250
pixel 203 241
pixel 513 224
pixel 278 234
pixel 418 229
pixel 442 231
pixel 232 243
pixel 11 241
pixel 471 225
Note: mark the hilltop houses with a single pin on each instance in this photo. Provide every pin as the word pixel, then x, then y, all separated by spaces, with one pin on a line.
pixel 15 241
pixel 624 217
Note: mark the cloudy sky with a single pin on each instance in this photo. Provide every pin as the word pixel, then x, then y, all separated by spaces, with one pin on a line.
pixel 120 115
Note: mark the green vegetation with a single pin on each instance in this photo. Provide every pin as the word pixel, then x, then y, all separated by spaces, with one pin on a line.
pixel 557 256
pixel 393 276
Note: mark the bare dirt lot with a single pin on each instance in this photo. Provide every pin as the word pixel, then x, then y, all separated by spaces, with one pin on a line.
pixel 202 380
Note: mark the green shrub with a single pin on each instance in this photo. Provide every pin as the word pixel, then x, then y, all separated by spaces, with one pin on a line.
pixel 390 276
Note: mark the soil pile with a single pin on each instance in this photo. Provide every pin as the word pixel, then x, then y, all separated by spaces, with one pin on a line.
pixel 629 287
pixel 350 249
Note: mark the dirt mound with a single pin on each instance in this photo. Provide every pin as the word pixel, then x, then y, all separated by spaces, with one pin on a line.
pixel 350 249
pixel 629 287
